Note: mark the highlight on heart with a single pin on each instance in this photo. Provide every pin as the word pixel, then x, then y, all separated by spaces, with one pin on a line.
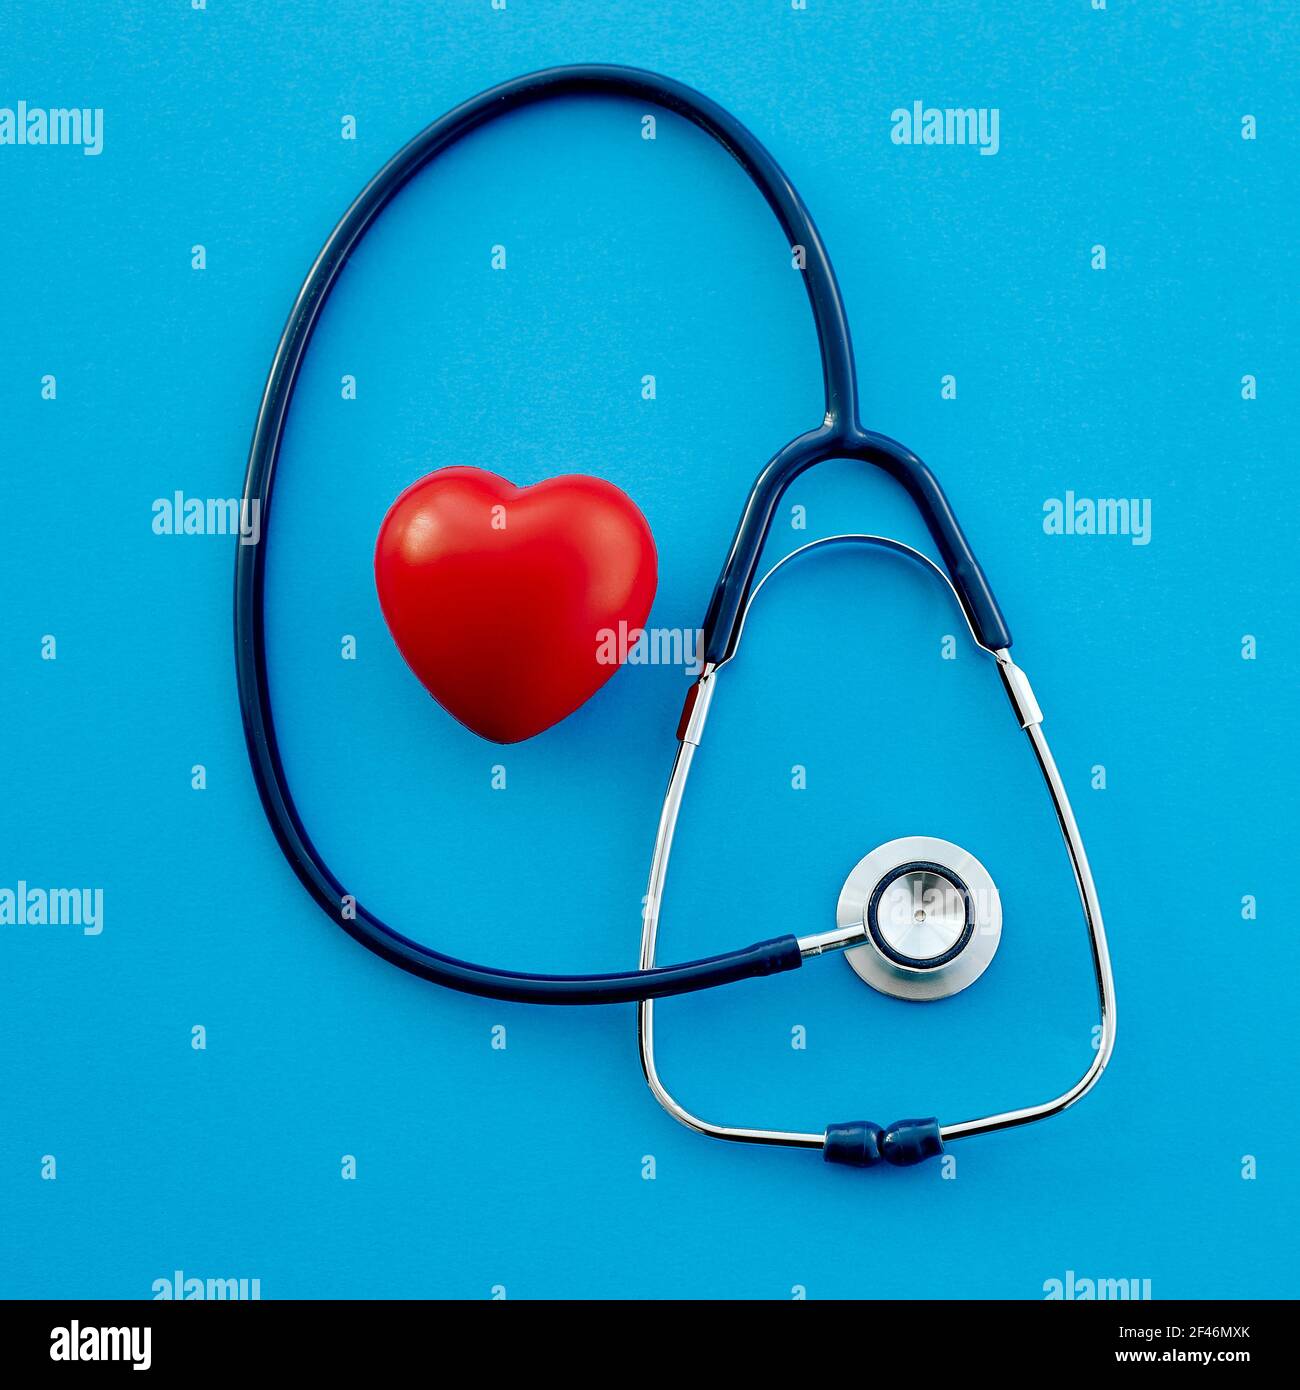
pixel 497 595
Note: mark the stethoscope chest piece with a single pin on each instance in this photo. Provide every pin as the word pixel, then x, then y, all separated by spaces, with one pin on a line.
pixel 931 914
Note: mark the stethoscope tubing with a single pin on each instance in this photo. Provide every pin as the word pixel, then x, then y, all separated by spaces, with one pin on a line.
pixel 839 436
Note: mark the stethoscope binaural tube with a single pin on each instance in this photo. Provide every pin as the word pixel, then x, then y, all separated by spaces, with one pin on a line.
pixel 839 436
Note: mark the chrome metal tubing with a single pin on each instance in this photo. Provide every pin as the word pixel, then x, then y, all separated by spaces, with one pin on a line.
pixel 839 939
pixel 1029 717
pixel 1100 963
pixel 645 1015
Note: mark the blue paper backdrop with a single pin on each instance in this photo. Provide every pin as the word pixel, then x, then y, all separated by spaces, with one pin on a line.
pixel 527 1168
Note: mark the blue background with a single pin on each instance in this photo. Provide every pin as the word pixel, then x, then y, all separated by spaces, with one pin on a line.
pixel 523 1168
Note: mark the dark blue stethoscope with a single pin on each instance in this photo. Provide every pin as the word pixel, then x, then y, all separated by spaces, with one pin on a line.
pixel 924 934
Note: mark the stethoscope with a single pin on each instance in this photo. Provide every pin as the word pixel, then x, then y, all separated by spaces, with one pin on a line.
pixel 918 918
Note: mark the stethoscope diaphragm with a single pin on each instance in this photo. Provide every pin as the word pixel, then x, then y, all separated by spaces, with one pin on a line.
pixel 932 916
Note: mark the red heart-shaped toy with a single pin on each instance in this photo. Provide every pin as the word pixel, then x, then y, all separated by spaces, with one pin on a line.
pixel 503 599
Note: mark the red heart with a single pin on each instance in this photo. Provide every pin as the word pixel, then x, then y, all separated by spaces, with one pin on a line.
pixel 501 597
